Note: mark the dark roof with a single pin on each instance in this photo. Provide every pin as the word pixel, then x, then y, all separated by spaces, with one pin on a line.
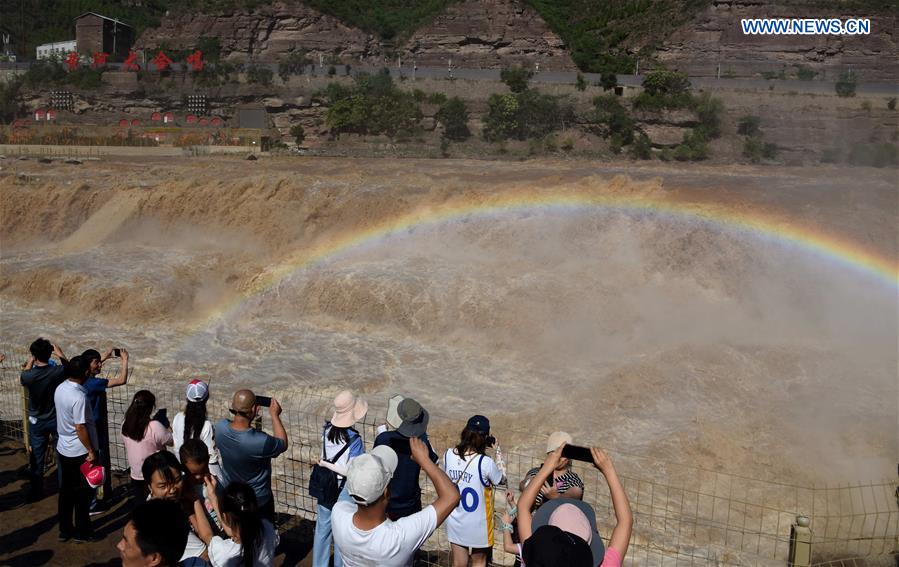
pixel 104 17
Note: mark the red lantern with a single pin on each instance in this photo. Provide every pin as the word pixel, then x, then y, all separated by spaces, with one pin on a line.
pixel 135 122
pixel 156 117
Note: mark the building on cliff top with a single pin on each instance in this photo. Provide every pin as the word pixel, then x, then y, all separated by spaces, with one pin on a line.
pixel 95 33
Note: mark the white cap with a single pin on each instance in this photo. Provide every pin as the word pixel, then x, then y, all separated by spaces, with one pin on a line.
pixel 556 439
pixel 369 474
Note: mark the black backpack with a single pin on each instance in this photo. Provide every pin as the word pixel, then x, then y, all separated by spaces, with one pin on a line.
pixel 323 483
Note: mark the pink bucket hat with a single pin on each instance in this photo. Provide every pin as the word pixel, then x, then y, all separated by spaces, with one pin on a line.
pixel 348 409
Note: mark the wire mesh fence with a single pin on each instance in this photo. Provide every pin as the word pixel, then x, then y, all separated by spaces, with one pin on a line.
pixel 683 515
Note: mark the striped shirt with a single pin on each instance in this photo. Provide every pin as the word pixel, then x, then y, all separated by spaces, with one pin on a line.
pixel 567 480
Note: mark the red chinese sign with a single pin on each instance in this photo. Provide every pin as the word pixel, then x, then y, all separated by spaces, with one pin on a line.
pixel 161 61
pixel 131 62
pixel 72 61
pixel 99 60
pixel 195 60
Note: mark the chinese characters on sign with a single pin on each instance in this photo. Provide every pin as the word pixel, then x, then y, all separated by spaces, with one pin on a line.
pixel 195 60
pixel 72 61
pixel 161 61
pixel 99 60
pixel 131 62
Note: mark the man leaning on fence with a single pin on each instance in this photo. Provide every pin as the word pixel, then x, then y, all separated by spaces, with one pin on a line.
pixel 41 376
pixel 247 453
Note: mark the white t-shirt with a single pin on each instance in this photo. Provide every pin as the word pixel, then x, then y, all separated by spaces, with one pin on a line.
pixel 72 409
pixel 471 523
pixel 207 436
pixel 392 544
pixel 226 553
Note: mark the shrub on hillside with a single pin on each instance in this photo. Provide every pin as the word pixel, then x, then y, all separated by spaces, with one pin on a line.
pixel 525 115
pixel 613 119
pixel 516 78
pixel 845 85
pixel 374 105
pixel 292 64
pixel 453 115
pixel 749 125
pixel 881 154
pixel 259 75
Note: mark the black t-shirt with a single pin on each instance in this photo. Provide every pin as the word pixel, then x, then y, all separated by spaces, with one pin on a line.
pixel 41 382
pixel 405 493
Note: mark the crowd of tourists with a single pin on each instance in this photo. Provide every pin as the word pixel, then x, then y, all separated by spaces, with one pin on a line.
pixel 201 492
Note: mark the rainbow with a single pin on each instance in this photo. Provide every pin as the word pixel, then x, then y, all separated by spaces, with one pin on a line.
pixel 760 224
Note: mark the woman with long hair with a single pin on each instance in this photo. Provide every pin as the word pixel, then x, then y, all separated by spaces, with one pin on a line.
pixel 142 436
pixel 248 539
pixel 341 443
pixel 193 424
pixel 469 528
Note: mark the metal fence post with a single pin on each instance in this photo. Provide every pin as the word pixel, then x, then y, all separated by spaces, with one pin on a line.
pixel 800 543
pixel 105 458
pixel 26 425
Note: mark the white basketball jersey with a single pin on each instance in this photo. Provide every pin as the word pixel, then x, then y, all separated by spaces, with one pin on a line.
pixel 471 523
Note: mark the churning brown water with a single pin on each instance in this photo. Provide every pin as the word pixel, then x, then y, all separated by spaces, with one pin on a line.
pixel 639 331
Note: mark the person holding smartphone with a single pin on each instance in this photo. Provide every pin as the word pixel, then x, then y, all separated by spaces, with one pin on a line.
pixel 246 454
pixel 563 481
pixel 563 533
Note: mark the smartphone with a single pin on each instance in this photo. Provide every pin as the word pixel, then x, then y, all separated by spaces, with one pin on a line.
pixel 401 446
pixel 491 441
pixel 117 352
pixel 263 401
pixel 576 453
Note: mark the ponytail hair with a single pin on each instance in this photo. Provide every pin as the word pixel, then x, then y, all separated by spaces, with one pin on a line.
pixel 240 504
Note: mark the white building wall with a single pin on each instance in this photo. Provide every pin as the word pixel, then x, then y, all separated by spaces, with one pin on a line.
pixel 57 49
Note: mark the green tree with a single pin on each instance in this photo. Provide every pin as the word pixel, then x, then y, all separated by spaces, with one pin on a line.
pixel 579 83
pixel 292 64
pixel 709 111
pixel 516 78
pixel 501 122
pixel 749 126
pixel 666 83
pixel 845 85
pixel 608 81
pixel 9 99
pixel 211 48
pixel 641 148
pixel 453 115
pixel 298 133
pixel 612 119
pixel 259 75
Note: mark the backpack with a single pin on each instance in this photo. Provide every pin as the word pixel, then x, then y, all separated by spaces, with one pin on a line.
pixel 323 483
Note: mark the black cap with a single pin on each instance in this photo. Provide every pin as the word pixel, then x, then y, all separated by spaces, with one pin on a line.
pixel 478 423
pixel 549 546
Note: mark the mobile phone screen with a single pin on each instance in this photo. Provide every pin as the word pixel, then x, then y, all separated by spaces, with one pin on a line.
pixel 577 453
pixel 263 401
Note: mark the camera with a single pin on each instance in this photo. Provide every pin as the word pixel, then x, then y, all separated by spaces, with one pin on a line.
pixel 116 352
pixel 263 401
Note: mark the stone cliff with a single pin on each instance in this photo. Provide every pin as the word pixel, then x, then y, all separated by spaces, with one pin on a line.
pixel 716 36
pixel 474 33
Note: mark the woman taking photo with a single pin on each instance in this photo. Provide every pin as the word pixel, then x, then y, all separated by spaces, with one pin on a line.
pixel 340 445
pixel 192 423
pixel 248 540
pixel 142 436
pixel 470 527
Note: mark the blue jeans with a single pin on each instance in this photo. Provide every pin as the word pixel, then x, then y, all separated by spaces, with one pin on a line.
pixel 321 544
pixel 39 436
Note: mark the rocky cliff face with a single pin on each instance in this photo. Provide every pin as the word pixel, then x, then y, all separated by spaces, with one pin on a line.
pixel 473 33
pixel 489 34
pixel 266 33
pixel 716 36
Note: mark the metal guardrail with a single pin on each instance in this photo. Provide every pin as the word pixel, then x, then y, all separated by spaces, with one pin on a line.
pixel 684 515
